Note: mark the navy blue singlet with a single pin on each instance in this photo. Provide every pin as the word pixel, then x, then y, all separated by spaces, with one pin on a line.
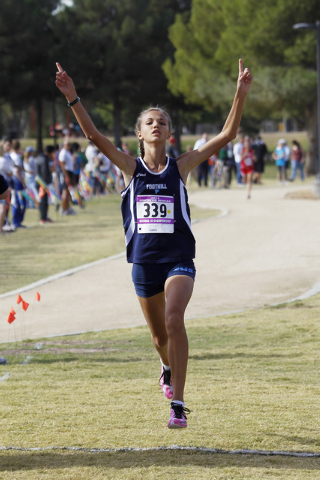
pixel 156 216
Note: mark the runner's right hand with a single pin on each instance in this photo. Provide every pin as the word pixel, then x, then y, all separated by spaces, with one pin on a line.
pixel 65 84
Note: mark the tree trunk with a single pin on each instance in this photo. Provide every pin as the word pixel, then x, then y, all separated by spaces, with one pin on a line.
pixel 117 120
pixel 38 103
pixel 312 158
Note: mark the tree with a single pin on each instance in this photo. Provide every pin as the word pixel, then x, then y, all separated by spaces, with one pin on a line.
pixel 115 50
pixel 26 44
pixel 283 61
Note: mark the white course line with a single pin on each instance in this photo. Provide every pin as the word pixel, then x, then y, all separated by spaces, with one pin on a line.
pixel 244 451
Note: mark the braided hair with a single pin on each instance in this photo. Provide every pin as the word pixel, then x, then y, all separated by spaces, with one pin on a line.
pixel 138 125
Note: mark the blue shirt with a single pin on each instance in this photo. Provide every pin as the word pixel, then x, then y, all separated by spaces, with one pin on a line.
pixel 156 216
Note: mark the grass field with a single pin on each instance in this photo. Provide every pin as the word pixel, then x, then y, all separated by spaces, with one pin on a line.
pixel 253 383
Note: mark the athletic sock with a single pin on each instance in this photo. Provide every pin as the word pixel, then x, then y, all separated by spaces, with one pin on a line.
pixel 178 402
pixel 164 366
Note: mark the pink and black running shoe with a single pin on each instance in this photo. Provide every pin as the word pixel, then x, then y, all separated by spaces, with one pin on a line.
pixel 178 417
pixel 166 383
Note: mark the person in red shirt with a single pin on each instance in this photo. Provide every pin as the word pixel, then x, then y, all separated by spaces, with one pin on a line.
pixel 247 165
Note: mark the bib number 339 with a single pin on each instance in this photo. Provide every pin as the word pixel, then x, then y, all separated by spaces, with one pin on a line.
pixel 155 214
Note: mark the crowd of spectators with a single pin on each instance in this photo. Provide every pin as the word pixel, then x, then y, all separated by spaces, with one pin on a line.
pixel 68 175
pixel 62 176
pixel 246 158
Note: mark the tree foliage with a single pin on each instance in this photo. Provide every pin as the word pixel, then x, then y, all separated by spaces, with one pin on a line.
pixel 282 60
pixel 114 50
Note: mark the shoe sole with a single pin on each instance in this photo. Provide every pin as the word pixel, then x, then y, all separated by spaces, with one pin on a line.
pixel 174 426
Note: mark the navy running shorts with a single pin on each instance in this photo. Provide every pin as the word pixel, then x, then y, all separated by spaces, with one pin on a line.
pixel 149 278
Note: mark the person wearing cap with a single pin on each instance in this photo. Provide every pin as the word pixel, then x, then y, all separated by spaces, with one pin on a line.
pixel 279 155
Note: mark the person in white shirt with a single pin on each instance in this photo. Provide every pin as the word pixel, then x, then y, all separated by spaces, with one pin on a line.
pixel 66 164
pixel 237 151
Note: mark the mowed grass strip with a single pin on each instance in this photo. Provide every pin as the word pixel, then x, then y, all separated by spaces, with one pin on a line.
pixel 39 251
pixel 253 383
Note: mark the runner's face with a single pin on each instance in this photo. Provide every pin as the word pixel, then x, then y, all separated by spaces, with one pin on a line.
pixel 154 127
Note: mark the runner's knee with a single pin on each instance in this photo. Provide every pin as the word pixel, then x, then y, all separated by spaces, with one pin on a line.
pixel 175 324
pixel 159 341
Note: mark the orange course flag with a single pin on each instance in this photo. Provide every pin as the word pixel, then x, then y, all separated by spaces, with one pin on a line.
pixel 38 296
pixel 12 311
pixel 25 305
pixel 10 318
pixel 19 299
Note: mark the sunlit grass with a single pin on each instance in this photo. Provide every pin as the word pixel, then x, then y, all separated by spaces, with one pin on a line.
pixel 253 383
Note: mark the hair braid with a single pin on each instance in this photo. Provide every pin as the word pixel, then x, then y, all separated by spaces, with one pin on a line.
pixel 141 148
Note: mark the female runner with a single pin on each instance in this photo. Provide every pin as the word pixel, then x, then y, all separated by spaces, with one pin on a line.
pixel 156 219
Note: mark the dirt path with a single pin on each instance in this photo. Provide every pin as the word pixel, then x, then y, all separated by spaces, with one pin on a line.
pixel 265 251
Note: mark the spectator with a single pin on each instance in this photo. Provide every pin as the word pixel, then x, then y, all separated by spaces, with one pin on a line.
pixel 297 161
pixel 237 151
pixel 29 165
pixel 203 168
pixel 224 158
pixel 125 148
pixel 279 155
pixel 18 201
pixel 4 193
pixel 44 168
pixel 288 153
pixel 247 164
pixel 172 150
pixel 6 170
pixel 77 162
pixel 260 152
pixel 66 164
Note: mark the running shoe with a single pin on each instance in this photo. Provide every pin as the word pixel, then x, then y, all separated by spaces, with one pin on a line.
pixel 166 383
pixel 178 417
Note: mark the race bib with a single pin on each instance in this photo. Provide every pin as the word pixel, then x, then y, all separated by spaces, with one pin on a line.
pixel 155 214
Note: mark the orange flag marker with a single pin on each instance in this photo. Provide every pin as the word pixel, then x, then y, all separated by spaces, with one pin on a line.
pixel 25 305
pixel 19 299
pixel 38 296
pixel 10 318
pixel 12 311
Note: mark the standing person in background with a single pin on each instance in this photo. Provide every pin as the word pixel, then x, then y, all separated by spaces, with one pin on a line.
pixel 77 162
pixel 247 164
pixel 279 155
pixel 288 153
pixel 172 150
pixel 29 165
pixel 203 168
pixel 237 151
pixel 18 201
pixel 260 152
pixel 44 168
pixel 157 224
pixel 4 193
pixel 66 164
pixel 125 148
pixel 6 170
pixel 297 161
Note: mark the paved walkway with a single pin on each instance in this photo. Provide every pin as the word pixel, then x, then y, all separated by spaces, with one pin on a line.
pixel 264 251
